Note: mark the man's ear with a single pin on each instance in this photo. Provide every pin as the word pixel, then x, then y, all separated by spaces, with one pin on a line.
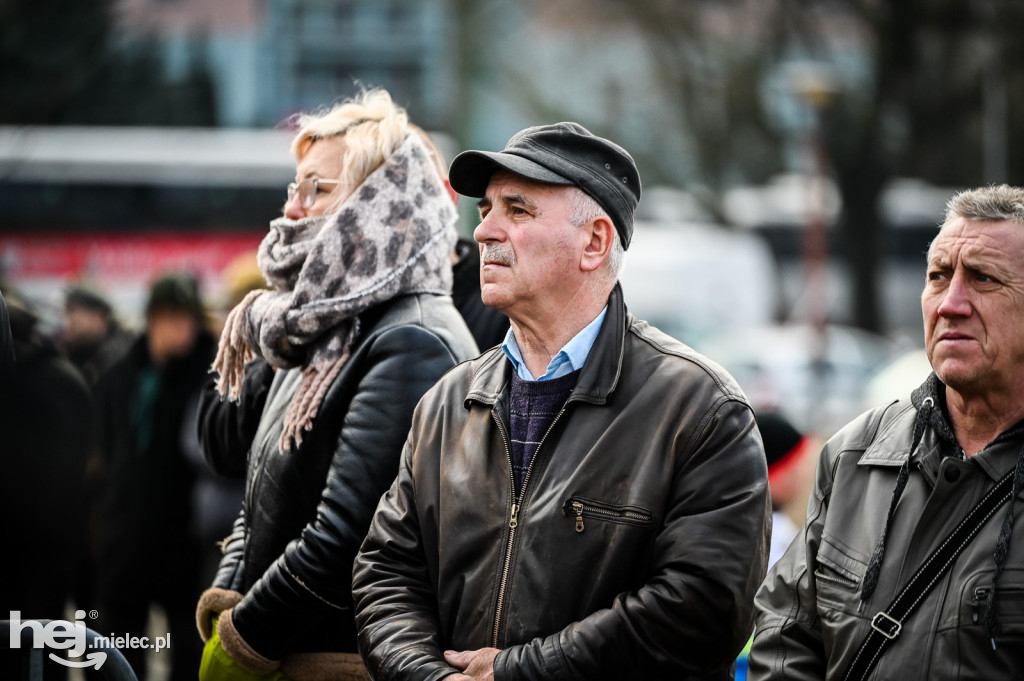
pixel 451 191
pixel 600 237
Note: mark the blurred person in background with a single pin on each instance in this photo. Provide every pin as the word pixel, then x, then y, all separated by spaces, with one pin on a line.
pixel 359 324
pixel 91 335
pixel 786 449
pixel 911 556
pixel 93 339
pixel 45 430
pixel 147 553
pixel 240 276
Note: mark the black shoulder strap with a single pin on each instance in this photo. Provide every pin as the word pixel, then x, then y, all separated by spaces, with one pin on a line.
pixel 886 625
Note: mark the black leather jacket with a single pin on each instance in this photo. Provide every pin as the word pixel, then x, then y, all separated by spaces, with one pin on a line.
pixel 633 552
pixel 226 429
pixel 306 511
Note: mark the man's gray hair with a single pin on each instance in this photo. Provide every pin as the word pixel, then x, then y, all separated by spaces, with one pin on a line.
pixel 585 209
pixel 996 203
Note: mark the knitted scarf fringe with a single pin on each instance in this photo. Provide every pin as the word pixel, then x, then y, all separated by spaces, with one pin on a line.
pixel 313 386
pixel 232 350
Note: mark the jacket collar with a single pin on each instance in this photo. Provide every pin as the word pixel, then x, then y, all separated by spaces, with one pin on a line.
pixel 600 372
pixel 892 445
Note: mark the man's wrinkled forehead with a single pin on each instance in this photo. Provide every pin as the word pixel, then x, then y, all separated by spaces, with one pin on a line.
pixel 972 238
pixel 505 186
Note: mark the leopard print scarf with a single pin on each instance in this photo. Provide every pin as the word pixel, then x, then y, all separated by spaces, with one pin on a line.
pixel 392 236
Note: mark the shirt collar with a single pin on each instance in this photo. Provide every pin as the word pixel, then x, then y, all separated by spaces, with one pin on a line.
pixel 569 359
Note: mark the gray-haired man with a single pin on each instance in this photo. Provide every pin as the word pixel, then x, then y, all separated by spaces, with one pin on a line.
pixel 588 500
pixel 907 567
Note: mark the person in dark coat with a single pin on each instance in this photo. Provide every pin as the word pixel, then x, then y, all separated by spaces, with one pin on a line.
pixel 45 424
pixel 93 339
pixel 561 509
pixel 226 428
pixel 147 554
pixel 359 324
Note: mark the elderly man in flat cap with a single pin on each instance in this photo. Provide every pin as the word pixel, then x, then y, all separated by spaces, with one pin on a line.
pixel 588 500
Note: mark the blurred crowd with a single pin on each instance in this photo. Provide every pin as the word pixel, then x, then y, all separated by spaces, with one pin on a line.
pixel 116 510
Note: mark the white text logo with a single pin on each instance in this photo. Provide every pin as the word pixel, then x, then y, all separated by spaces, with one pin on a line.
pixel 58 634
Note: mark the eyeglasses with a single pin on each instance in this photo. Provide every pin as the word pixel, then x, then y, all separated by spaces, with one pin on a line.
pixel 307 190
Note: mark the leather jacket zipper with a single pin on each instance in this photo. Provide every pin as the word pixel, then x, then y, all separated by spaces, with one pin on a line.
pixel 259 463
pixel 513 520
pixel 582 508
pixel 260 460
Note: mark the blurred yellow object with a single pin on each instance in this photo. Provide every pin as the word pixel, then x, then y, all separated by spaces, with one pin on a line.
pixel 241 275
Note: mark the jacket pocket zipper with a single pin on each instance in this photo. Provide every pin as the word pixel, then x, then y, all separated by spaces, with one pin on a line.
pixel 981 598
pixel 581 508
pixel 833 577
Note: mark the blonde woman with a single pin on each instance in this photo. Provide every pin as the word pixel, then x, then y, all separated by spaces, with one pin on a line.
pixel 358 325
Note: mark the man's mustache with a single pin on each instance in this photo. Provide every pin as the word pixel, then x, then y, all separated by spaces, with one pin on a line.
pixel 501 254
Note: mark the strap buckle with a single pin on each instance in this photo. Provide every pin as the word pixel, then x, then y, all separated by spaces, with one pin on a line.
pixel 886 625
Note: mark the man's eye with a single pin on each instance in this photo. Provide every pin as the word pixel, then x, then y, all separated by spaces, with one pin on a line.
pixel 519 210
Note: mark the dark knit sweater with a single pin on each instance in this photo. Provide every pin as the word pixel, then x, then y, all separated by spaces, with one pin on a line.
pixel 533 407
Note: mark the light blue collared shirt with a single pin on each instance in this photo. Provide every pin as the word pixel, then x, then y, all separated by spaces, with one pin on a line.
pixel 570 358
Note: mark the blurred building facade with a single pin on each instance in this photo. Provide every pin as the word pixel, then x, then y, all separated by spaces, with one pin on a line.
pixel 272 58
pixel 726 99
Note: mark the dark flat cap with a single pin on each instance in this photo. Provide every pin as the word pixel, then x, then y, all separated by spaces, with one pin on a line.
pixel 564 154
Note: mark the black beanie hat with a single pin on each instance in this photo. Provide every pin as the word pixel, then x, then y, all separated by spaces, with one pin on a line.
pixel 176 291
pixel 779 436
